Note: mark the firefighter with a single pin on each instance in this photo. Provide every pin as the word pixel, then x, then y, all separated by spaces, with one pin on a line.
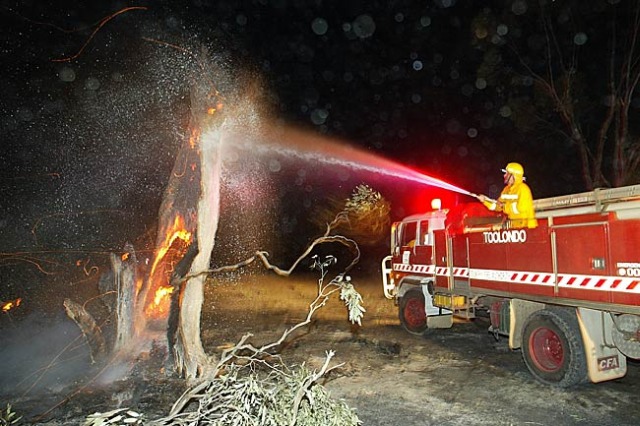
pixel 515 199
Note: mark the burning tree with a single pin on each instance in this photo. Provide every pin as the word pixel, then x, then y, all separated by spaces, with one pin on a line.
pixel 171 294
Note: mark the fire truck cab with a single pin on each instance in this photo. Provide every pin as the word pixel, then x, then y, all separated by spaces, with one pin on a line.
pixel 567 292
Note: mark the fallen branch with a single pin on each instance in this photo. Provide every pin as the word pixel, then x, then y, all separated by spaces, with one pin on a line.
pixel 89 328
pixel 249 385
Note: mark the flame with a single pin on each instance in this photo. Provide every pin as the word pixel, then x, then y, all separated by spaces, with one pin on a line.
pixel 160 269
pixel 161 294
pixel 125 256
pixel 7 306
pixel 176 231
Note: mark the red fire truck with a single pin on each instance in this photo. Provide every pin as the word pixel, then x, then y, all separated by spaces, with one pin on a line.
pixel 567 292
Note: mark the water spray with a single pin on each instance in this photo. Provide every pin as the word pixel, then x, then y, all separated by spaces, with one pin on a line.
pixel 317 149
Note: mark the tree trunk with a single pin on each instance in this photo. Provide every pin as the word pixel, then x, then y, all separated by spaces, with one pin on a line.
pixel 190 357
pixel 124 277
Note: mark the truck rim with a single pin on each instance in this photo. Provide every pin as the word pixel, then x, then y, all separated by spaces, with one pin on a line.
pixel 414 313
pixel 546 349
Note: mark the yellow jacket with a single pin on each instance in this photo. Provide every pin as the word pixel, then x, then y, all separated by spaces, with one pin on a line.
pixel 516 202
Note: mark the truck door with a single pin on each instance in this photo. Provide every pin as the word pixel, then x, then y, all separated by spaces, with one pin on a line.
pixel 423 248
pixel 442 250
pixel 408 234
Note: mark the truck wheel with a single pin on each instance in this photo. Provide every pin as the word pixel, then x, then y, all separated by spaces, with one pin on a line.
pixel 552 348
pixel 411 311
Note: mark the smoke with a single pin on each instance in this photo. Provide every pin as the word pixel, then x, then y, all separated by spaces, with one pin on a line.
pixel 41 357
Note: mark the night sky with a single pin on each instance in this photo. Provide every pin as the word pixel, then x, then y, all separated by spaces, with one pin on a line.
pixel 94 109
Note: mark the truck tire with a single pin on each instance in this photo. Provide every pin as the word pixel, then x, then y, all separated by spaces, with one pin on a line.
pixel 411 312
pixel 552 347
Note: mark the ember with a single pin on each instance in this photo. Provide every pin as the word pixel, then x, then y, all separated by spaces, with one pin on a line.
pixel 7 306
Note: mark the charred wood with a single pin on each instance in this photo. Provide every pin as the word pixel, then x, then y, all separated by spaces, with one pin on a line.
pixel 124 278
pixel 89 328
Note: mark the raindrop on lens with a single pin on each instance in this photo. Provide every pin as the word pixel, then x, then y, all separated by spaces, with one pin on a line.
pixel 502 30
pixel 364 26
pixel 319 26
pixel 67 75
pixel 505 111
pixel 580 39
pixel 319 116
pixel 172 22
pixel 417 65
pixel 519 7
pixel 274 166
pixel 92 83
pixel 481 33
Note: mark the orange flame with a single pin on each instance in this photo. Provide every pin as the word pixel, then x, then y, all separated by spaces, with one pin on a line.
pixel 7 306
pixel 160 269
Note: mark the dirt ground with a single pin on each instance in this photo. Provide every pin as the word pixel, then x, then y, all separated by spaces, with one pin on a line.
pixel 460 376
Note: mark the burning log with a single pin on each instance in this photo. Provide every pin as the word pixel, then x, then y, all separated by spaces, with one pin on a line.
pixel 89 328
pixel 7 306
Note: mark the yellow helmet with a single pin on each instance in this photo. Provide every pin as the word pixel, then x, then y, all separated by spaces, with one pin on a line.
pixel 515 169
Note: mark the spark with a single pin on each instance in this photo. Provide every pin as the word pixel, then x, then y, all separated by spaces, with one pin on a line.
pixel 87 271
pixel 28 258
pixel 100 24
